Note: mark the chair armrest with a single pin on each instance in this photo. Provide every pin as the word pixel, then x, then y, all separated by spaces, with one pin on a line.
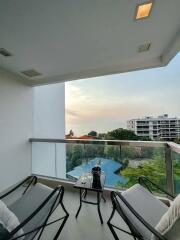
pixel 144 182
pixel 31 179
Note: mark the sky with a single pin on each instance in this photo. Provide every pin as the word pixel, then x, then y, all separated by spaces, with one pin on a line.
pixel 106 103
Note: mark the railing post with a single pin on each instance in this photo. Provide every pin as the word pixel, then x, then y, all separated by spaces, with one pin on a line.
pixel 169 169
pixel 55 163
pixel 84 154
pixel 120 152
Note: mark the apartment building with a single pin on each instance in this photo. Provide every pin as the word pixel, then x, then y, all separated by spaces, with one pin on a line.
pixel 156 128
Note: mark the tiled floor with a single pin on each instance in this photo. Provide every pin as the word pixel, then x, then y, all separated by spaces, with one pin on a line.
pixel 87 226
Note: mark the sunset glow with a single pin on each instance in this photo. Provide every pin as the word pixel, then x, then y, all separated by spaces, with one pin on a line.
pixel 105 103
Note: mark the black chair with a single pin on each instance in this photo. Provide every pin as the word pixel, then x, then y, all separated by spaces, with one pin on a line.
pixel 34 207
pixel 140 210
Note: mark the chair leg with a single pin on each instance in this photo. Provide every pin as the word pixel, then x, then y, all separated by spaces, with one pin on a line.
pixel 111 227
pixel 98 207
pixel 84 193
pixel 63 207
pixel 63 223
pixel 60 229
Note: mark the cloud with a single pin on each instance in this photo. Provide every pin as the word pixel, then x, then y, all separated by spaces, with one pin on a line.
pixel 75 96
pixel 108 102
pixel 111 113
pixel 72 113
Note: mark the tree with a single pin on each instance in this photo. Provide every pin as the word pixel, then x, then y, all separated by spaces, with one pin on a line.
pixel 92 134
pixel 90 151
pixel 128 152
pixel 112 152
pixel 102 135
pixel 69 151
pixel 176 175
pixel 77 155
pixel 71 133
pixel 122 134
pixel 153 169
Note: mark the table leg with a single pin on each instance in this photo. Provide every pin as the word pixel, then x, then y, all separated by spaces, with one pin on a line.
pixel 98 206
pixel 102 196
pixel 80 204
pixel 84 194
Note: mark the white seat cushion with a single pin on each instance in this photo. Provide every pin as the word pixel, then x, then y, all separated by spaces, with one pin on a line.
pixel 150 208
pixel 9 220
pixel 169 224
pixel 29 202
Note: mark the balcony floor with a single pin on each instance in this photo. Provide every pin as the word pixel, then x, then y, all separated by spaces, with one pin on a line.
pixel 87 226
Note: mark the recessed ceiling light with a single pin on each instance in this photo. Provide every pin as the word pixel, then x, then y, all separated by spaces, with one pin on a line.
pixel 5 52
pixel 144 47
pixel 31 73
pixel 143 10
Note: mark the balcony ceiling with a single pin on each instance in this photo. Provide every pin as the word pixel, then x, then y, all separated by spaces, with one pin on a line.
pixel 72 39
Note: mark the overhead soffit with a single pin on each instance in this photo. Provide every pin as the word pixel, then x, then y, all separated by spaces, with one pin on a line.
pixel 66 40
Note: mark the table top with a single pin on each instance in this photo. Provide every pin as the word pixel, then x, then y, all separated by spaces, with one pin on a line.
pixel 85 182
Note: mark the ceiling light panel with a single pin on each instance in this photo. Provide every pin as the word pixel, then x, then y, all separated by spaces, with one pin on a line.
pixel 31 73
pixel 143 10
pixel 144 47
pixel 5 52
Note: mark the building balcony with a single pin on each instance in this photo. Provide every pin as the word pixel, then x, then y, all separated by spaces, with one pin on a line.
pixel 87 225
pixel 46 158
pixel 48 42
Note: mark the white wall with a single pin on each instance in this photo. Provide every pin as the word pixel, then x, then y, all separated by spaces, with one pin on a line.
pixel 49 122
pixel 49 111
pixel 15 129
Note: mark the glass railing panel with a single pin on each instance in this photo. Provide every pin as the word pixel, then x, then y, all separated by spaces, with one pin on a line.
pixel 122 164
pixel 108 158
pixel 74 161
pixel 43 159
pixel 176 171
pixel 82 158
pixel 114 165
pixel 60 160
pixel 142 161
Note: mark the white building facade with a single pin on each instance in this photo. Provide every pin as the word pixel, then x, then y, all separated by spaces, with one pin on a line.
pixel 156 128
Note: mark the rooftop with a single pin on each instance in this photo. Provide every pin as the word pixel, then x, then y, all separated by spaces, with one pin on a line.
pixel 164 116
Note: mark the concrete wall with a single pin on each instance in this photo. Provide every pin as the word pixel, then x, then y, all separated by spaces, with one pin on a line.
pixel 49 122
pixel 15 129
pixel 49 111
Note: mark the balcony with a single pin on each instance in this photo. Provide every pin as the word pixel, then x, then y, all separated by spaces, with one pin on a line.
pixel 48 42
pixel 87 225
pixel 136 152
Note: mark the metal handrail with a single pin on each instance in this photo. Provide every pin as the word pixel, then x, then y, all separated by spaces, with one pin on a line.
pixel 133 143
pixel 174 147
